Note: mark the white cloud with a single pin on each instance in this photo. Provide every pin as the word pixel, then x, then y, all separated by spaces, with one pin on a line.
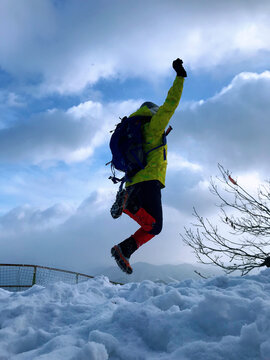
pixel 26 218
pixel 241 80
pixel 14 100
pixel 231 128
pixel 250 181
pixel 252 37
pixel 81 238
pixel 177 162
pixel 69 136
pixel 69 46
pixel 83 109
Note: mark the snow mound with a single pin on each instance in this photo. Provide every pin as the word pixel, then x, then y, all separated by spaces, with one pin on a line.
pixel 215 319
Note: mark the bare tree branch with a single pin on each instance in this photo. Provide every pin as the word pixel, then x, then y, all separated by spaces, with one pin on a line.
pixel 247 246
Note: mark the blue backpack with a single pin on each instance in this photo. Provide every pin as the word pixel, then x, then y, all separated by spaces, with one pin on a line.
pixel 126 145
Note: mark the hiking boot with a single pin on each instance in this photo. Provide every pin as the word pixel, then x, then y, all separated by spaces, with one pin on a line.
pixel 121 260
pixel 118 206
pixel 122 253
pixel 128 246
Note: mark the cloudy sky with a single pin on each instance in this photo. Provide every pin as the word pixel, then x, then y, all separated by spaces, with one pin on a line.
pixel 69 69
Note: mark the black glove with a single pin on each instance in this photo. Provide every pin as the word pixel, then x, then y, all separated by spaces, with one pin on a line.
pixel 178 67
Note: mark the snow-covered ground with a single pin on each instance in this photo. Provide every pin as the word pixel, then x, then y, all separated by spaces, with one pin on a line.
pixel 222 318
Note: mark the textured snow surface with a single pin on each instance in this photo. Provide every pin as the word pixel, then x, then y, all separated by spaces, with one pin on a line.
pixel 215 319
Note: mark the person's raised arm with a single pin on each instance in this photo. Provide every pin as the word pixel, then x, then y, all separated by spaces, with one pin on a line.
pixel 161 119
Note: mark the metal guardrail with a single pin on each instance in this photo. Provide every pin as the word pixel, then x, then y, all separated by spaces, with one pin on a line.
pixel 18 277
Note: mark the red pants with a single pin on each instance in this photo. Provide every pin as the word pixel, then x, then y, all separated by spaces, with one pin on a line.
pixel 144 206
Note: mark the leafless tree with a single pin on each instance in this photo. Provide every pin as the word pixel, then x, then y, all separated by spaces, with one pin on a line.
pixel 246 246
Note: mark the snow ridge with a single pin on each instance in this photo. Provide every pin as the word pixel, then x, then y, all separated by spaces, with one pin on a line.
pixel 220 318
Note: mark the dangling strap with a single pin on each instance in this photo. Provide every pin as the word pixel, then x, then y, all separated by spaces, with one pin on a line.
pixel 116 180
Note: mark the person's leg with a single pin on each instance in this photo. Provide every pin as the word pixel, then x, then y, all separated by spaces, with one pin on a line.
pixel 144 206
pixel 150 213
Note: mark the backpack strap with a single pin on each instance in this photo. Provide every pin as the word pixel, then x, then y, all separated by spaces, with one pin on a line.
pixel 164 140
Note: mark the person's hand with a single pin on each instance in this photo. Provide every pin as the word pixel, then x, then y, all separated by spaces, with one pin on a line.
pixel 178 67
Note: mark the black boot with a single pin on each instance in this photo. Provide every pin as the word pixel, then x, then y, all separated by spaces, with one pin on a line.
pixel 128 247
pixel 122 253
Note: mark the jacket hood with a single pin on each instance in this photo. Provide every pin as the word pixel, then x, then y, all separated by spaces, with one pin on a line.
pixel 144 111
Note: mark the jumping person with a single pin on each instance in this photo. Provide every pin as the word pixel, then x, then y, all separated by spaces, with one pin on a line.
pixel 144 189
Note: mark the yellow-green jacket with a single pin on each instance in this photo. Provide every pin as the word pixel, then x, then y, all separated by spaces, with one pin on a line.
pixel 152 135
